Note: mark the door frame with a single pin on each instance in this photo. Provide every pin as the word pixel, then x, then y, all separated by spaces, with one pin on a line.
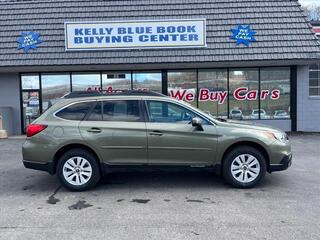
pixel 39 91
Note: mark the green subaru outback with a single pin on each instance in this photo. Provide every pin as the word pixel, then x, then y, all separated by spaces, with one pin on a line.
pixel 86 135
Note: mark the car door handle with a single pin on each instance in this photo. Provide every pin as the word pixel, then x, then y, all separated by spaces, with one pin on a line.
pixel 94 130
pixel 156 133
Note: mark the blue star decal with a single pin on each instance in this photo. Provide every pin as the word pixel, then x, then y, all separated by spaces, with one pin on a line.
pixel 243 34
pixel 28 40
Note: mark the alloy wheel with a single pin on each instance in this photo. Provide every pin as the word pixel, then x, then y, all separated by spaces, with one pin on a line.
pixel 77 171
pixel 245 168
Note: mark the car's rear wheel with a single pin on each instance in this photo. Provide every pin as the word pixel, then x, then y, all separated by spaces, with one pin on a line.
pixel 244 167
pixel 78 170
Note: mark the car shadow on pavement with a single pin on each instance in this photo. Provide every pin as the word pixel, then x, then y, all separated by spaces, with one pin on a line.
pixel 177 179
pixel 163 179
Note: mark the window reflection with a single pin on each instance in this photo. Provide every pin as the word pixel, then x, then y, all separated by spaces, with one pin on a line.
pixel 275 93
pixel 86 82
pixel 147 81
pixel 116 81
pixel 213 95
pixel 30 81
pixel 54 86
pixel 182 85
pixel 243 95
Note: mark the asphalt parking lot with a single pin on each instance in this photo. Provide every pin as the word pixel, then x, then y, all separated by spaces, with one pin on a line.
pixel 162 205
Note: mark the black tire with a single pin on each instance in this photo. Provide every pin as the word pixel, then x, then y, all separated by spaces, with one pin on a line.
pixel 232 155
pixel 78 152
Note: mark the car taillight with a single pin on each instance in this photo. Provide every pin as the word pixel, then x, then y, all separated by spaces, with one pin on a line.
pixel 34 129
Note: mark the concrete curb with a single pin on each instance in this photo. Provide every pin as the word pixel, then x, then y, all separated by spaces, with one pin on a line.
pixel 18 137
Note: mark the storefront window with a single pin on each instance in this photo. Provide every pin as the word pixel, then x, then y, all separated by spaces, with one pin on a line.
pixel 30 81
pixel 314 80
pixel 275 93
pixel 243 96
pixel 86 82
pixel 205 88
pixel 147 81
pixel 213 92
pixel 182 85
pixel 113 81
pixel 54 86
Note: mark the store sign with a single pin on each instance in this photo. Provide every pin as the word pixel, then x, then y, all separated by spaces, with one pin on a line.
pixel 243 34
pixel 110 89
pixel 206 95
pixel 316 30
pixel 240 94
pixel 135 34
pixel 28 40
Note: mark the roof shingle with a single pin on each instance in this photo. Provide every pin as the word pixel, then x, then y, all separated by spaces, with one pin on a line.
pixel 282 30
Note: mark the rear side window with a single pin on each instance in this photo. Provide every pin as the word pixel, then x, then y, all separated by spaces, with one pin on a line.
pixel 75 111
pixel 122 111
pixel 96 113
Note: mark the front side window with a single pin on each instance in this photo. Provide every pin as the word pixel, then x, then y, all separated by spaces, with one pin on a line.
pixel 75 111
pixel 122 111
pixel 165 112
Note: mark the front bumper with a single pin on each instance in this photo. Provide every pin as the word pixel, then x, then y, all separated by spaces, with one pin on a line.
pixel 47 167
pixel 283 165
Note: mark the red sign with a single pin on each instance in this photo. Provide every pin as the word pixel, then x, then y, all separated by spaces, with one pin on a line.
pixel 240 94
pixel 189 95
pixel 110 89
pixel 316 30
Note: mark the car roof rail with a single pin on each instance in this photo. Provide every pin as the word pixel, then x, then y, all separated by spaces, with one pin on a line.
pixel 79 94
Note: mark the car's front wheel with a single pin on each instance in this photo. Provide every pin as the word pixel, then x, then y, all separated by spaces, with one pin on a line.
pixel 244 167
pixel 78 170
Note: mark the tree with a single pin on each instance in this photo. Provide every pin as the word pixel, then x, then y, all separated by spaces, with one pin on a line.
pixel 312 11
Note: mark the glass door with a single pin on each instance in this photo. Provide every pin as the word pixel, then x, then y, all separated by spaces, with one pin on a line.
pixel 30 107
pixel 30 97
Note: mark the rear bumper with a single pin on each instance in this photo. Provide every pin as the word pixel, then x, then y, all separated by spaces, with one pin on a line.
pixel 283 165
pixel 47 167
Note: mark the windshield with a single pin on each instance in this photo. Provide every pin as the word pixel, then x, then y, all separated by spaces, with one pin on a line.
pixel 235 112
pixel 257 111
pixel 281 112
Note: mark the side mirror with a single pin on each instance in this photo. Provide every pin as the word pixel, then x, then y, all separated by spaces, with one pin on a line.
pixel 197 123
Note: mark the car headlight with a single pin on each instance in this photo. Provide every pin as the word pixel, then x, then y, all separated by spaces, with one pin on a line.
pixel 280 136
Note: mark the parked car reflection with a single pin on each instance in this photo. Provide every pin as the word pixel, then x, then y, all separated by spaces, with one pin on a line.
pixel 281 114
pixel 236 114
pixel 255 114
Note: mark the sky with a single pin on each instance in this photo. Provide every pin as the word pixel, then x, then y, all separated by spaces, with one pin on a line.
pixel 308 2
